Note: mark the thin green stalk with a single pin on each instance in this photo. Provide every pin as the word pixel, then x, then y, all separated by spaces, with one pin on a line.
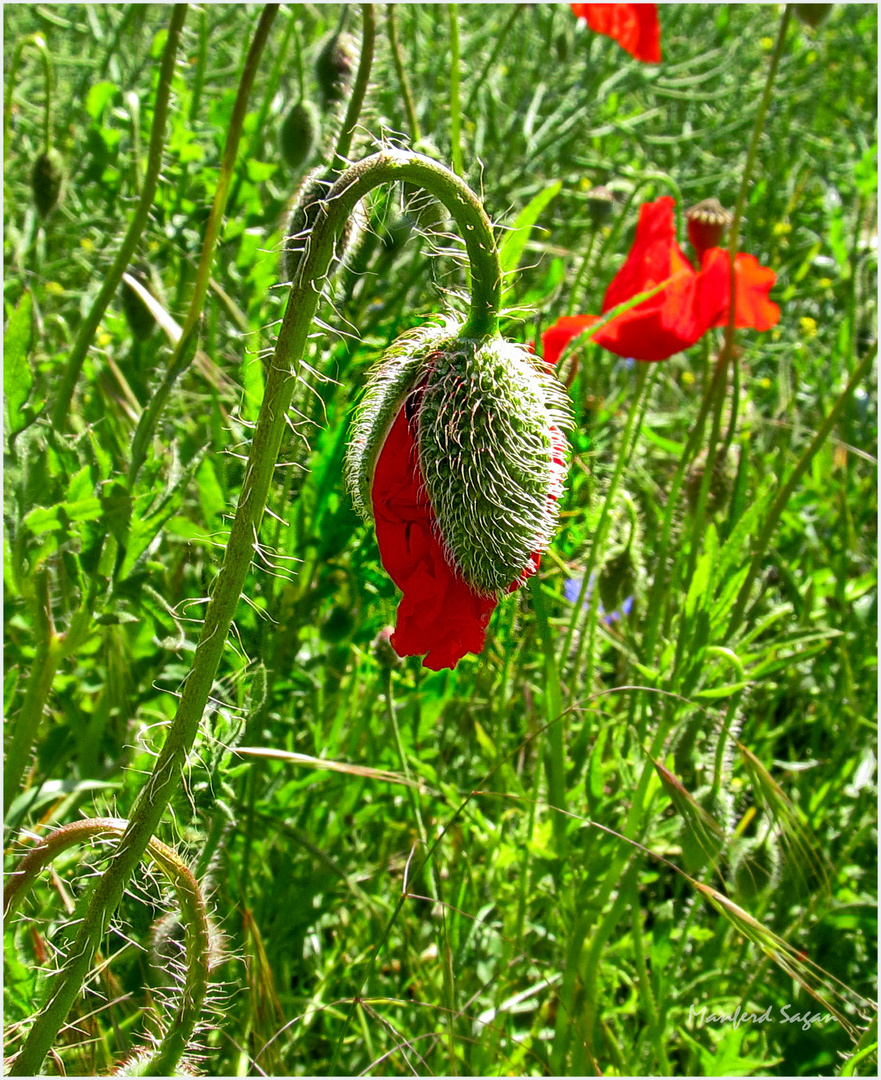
pixel 113 277
pixel 647 998
pixel 626 446
pixel 39 43
pixel 284 370
pixel 201 67
pixel 359 90
pixel 503 40
pixel 397 57
pixel 185 349
pixel 455 113
pixel 556 759
pixel 785 493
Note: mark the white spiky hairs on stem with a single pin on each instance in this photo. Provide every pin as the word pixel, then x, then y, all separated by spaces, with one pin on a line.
pixel 489 421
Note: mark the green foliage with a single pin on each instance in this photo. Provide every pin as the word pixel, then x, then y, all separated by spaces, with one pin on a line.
pixel 420 903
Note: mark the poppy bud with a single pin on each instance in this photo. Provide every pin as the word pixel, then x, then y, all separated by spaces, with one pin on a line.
pixel 707 222
pixel 307 205
pixel 458 455
pixel 47 179
pixel 812 14
pixel 334 67
pixel 383 650
pixel 299 133
pixel 600 203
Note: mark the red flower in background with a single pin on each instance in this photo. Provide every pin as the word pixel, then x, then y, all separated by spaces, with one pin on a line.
pixel 686 307
pixel 634 26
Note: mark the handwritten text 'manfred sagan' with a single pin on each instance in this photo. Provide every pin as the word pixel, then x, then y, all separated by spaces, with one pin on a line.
pixel 738 1017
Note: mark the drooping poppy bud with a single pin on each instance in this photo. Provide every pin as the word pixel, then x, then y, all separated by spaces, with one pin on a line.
pixel 47 180
pixel 306 207
pixel 600 203
pixel 334 66
pixel 299 134
pixel 458 455
pixel 812 14
pixel 707 222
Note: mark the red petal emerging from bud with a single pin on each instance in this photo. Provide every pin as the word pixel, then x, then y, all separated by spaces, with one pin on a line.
pixel 439 614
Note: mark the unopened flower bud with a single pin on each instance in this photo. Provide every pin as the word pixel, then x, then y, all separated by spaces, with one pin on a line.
pixel 47 180
pixel 600 204
pixel 458 455
pixel 334 66
pixel 707 222
pixel 307 205
pixel 299 134
pixel 383 650
pixel 813 14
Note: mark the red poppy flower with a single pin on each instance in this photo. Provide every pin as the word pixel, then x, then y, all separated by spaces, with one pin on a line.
pixel 690 301
pixel 634 26
pixel 556 338
pixel 462 494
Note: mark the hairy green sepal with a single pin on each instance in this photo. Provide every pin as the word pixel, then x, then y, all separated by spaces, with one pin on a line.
pixel 483 411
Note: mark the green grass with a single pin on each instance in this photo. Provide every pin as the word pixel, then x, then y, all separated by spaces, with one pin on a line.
pixel 718 844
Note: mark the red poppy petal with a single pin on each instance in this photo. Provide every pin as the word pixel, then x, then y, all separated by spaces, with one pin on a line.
pixel 753 283
pixel 672 320
pixel 634 26
pixel 654 257
pixel 555 339
pixel 439 614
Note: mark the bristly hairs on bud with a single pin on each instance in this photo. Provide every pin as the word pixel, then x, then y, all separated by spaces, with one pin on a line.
pixel 484 410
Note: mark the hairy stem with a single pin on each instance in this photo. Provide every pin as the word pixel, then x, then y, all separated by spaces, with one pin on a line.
pixel 386 167
pixel 185 349
pixel 113 277
pixel 455 105
pixel 359 90
pixel 194 917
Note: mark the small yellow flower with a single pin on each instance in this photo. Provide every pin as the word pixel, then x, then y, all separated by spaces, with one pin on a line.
pixel 808 326
pixel 687 378
pixel 765 383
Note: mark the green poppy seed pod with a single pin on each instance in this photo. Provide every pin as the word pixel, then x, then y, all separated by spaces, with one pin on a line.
pixel 486 418
pixel 335 65
pixel 600 204
pixel 299 134
pixel 307 205
pixel 47 181
pixel 813 14
pixel 707 222
pixel 383 650
pixel 139 317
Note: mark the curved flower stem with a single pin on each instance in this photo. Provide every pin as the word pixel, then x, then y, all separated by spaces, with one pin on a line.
pixel 386 167
pixel 397 57
pixel 455 106
pixel 359 90
pixel 185 349
pixel 113 277
pixel 783 496
pixel 194 917
pixel 624 451
pixel 39 43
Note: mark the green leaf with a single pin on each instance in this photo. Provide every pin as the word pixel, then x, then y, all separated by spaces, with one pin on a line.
pixel 517 238
pixel 17 376
pixel 98 97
